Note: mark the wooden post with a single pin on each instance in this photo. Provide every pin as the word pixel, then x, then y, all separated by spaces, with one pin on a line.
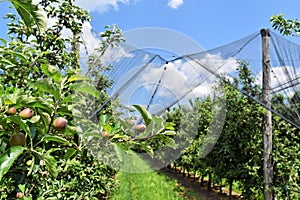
pixel 267 118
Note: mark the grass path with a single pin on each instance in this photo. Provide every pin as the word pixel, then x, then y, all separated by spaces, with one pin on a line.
pixel 148 185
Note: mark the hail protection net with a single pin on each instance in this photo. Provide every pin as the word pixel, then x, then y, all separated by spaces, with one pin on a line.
pixel 145 78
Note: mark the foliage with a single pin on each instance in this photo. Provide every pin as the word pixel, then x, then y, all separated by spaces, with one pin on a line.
pixel 287 137
pixel 286 159
pixel 40 71
pixel 239 149
pixel 285 26
pixel 238 154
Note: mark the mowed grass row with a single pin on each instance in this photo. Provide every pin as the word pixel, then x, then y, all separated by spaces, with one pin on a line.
pixel 138 182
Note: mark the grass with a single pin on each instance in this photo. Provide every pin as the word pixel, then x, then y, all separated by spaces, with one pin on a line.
pixel 147 185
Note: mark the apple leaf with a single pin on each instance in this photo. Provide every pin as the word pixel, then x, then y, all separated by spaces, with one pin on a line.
pixel 85 88
pixel 52 72
pixel 46 85
pixel 30 14
pixel 1 90
pixel 18 120
pixel 170 126
pixel 70 152
pixel 104 119
pixel 169 133
pixel 77 77
pixel 107 128
pixel 119 152
pixel 144 113
pixel 7 159
pixel 55 138
pixel 51 164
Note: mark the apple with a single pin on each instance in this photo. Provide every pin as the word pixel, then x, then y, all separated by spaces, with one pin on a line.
pixel 105 134
pixel 11 111
pixel 60 123
pixel 29 162
pixel 26 113
pixel 20 195
pixel 17 139
pixel 140 127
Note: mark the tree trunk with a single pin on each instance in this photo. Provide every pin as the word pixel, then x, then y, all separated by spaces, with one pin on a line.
pixel 202 180
pixel 267 118
pixel 209 182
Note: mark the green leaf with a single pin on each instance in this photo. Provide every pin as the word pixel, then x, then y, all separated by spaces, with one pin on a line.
pixel 77 77
pixel 70 152
pixel 52 72
pixel 158 123
pixel 22 187
pixel 18 120
pixel 104 119
pixel 15 54
pixel 8 158
pixel 51 164
pixel 107 128
pixel 47 106
pixel 32 129
pixel 55 138
pixel 1 90
pixel 171 143
pixel 119 136
pixel 170 126
pixel 10 100
pixel 46 85
pixel 30 14
pixel 144 113
pixel 118 152
pixel 169 133
pixel 85 88
pixel 25 100
pixel 4 41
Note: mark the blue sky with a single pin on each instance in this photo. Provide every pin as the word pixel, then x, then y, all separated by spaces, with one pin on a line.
pixel 210 23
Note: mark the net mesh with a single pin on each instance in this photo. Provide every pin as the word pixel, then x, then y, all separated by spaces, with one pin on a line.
pixel 142 77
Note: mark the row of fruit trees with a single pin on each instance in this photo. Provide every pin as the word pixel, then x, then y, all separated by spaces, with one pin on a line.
pixel 237 155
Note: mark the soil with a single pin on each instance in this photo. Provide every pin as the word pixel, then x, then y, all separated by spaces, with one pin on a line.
pixel 195 186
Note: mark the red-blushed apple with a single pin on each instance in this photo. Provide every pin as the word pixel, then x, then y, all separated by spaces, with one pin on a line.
pixel 20 195
pixel 11 111
pixel 140 127
pixel 17 139
pixel 60 123
pixel 105 134
pixel 26 113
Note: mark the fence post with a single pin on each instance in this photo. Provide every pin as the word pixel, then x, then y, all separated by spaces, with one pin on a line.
pixel 267 117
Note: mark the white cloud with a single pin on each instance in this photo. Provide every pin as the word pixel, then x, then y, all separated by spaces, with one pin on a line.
pixel 196 77
pixel 175 3
pixel 100 5
pixel 280 81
